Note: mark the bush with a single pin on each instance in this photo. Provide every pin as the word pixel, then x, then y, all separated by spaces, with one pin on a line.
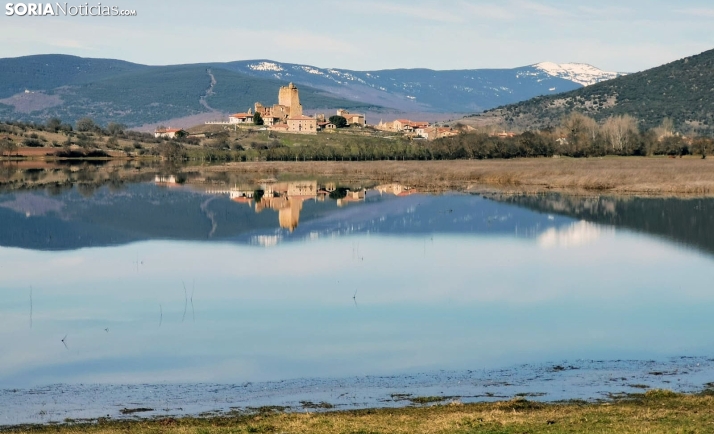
pixel 32 143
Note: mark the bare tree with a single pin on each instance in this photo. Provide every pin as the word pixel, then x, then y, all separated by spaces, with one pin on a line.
pixel 666 129
pixel 619 131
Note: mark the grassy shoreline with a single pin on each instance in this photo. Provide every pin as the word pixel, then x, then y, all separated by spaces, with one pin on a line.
pixel 641 176
pixel 656 411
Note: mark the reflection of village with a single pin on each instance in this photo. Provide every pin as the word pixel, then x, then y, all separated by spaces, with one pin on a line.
pixel 287 198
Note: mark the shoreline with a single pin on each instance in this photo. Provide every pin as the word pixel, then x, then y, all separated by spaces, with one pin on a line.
pixel 686 177
pixel 581 382
pixel 618 176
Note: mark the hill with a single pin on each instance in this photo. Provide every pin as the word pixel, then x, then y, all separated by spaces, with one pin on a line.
pixel 681 90
pixel 70 88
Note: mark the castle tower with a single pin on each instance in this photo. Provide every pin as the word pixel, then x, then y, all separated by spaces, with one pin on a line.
pixel 288 96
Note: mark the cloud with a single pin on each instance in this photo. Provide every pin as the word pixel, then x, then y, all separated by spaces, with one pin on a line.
pixel 70 43
pixel 612 12
pixel 541 9
pixel 426 13
pixel 697 12
pixel 492 12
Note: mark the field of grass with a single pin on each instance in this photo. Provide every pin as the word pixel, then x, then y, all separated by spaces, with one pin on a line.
pixel 643 176
pixel 653 412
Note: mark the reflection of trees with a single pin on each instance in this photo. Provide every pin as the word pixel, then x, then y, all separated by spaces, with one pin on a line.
pixel 57 177
pixel 686 221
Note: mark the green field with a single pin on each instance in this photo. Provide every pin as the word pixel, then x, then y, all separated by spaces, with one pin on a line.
pixel 653 412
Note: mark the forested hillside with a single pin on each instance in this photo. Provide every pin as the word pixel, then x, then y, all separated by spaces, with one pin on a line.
pixel 682 91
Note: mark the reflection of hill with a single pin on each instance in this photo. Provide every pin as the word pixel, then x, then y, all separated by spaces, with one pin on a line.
pixel 146 211
pixel 139 212
pixel 685 221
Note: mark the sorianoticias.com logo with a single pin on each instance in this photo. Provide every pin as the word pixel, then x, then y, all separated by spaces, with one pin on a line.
pixel 66 10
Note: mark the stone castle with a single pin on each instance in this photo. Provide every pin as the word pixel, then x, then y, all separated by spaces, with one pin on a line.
pixel 288 106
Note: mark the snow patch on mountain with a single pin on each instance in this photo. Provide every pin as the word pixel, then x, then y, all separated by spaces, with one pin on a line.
pixel 581 73
pixel 265 66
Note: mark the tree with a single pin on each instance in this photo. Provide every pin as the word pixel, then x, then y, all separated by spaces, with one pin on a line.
pixel 86 125
pixel 53 124
pixel 580 130
pixel 619 131
pixel 171 151
pixel 7 145
pixel 115 129
pixel 258 119
pixel 703 146
pixel 338 121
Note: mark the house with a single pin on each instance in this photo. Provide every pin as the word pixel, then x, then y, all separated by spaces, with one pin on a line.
pixel 241 118
pixel 403 125
pixel 302 125
pixel 280 128
pixel 326 126
pixel 352 118
pixel 168 133
pixel 269 121
pixel 399 124
pixel 433 133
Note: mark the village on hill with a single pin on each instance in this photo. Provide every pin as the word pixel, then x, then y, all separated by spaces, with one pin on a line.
pixel 287 117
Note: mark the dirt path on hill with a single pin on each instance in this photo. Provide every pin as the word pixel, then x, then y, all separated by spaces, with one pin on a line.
pixel 209 92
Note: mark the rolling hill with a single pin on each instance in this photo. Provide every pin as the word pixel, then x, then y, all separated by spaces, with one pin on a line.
pixel 682 90
pixel 114 91
pixel 35 88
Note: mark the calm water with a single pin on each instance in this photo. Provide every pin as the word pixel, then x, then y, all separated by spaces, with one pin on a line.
pixel 165 284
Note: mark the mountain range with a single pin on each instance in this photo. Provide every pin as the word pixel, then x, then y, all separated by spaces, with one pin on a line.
pixel 35 88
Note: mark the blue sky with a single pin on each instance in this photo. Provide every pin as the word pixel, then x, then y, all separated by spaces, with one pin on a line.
pixel 613 35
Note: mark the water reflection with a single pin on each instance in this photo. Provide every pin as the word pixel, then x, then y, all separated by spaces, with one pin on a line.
pixel 365 278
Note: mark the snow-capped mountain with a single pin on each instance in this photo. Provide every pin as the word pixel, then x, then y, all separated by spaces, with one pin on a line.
pixel 581 73
pixel 422 90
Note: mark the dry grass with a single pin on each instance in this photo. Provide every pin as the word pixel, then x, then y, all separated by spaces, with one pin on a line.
pixel 613 175
pixel 654 412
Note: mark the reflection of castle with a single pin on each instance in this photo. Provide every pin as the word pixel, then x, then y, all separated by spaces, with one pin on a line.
pixel 286 198
pixel 352 196
pixel 241 195
pixel 395 189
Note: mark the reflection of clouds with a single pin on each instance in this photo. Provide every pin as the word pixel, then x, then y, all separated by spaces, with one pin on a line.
pixel 266 240
pixel 577 234
pixel 69 261
pixel 33 205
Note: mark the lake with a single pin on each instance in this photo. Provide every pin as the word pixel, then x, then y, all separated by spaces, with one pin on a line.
pixel 188 295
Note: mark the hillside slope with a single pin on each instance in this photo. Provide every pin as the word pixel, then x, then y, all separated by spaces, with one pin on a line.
pixel 682 90
pixel 134 94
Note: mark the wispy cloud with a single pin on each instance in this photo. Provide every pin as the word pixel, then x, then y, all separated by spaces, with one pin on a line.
pixel 426 13
pixel 540 9
pixel 610 12
pixel 70 43
pixel 492 12
pixel 697 12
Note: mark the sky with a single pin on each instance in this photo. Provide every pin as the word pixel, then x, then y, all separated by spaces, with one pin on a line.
pixel 623 36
